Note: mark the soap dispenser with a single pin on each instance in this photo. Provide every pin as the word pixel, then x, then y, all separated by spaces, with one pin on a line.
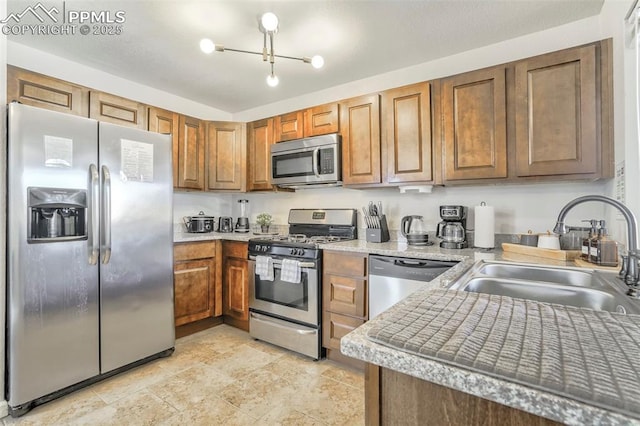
pixel 607 251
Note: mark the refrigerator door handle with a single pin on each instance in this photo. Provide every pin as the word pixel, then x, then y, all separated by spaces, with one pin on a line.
pixel 92 240
pixel 106 214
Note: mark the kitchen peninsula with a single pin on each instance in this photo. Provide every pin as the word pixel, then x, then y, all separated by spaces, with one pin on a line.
pixel 437 357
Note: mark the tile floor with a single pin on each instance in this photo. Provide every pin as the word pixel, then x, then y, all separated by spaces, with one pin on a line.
pixel 219 376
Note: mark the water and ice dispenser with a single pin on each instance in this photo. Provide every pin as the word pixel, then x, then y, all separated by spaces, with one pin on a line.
pixel 56 214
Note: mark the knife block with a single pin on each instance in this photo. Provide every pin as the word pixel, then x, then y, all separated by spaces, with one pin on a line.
pixel 378 235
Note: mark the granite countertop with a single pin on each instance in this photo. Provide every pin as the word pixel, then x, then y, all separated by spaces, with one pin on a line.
pixel 514 393
pixel 187 237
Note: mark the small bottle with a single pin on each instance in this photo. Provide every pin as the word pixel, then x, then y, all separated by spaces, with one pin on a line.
pixel 594 244
pixel 607 248
pixel 586 242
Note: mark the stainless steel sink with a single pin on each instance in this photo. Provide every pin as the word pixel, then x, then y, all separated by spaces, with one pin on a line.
pixel 566 286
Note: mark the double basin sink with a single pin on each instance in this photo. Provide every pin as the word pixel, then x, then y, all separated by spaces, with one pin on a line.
pixel 583 288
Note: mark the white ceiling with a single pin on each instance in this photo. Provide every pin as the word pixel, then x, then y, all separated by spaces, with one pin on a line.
pixel 159 45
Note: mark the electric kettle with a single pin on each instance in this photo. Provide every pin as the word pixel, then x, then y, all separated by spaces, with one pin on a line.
pixel 414 229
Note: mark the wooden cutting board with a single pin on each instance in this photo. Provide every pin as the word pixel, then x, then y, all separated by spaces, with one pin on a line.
pixel 541 252
pixel 585 264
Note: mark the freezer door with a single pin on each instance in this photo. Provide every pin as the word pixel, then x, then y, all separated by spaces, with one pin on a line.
pixel 136 262
pixel 52 290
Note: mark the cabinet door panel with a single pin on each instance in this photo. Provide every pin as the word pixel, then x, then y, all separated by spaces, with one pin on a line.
pixel 335 326
pixel 321 120
pixel 117 110
pixel 556 110
pixel 345 295
pixel 191 153
pixel 194 295
pixel 236 289
pixel 360 130
pixel 260 139
pixel 406 128
pixel 167 122
pixel 289 126
pixel 226 153
pixel 46 92
pixel 474 125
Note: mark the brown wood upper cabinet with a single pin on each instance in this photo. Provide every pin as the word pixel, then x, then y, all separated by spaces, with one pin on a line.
pixel 260 137
pixel 360 130
pixel 557 113
pixel 46 92
pixel 114 109
pixel 407 148
pixel 321 120
pixel 314 121
pixel 167 122
pixel 191 153
pixel 474 123
pixel 289 126
pixel 226 154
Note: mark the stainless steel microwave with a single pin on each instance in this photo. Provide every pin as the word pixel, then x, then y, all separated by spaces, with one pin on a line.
pixel 308 162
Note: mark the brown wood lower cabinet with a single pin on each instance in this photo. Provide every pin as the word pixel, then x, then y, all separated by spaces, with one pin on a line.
pixel 196 284
pixel 396 398
pixel 344 300
pixel 235 284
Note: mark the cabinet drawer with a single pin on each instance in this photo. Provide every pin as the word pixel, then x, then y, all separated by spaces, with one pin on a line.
pixel 334 326
pixel 235 249
pixel 199 250
pixel 343 263
pixel 345 295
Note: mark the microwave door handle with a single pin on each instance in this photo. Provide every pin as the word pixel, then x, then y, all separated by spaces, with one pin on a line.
pixel 316 160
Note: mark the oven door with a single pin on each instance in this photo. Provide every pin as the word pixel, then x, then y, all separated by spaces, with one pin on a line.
pixel 295 301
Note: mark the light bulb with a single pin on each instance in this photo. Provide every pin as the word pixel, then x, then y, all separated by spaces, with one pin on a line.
pixel 273 80
pixel 207 46
pixel 269 21
pixel 317 61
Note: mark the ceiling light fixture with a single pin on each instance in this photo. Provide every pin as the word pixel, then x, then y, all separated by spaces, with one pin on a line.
pixel 268 27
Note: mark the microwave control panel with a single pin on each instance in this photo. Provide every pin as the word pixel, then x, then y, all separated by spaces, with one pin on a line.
pixel 327 161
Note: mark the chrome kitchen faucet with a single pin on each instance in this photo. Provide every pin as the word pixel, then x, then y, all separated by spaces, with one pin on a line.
pixel 629 271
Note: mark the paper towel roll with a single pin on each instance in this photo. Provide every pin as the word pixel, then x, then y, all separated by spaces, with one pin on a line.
pixel 484 226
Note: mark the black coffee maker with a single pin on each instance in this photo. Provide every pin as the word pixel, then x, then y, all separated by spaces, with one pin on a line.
pixel 452 229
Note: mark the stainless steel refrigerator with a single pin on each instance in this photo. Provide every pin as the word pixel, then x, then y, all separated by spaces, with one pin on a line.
pixel 89 252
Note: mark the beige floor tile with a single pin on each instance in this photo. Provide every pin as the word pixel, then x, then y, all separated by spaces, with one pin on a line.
pixel 191 388
pixel 257 392
pixel 214 411
pixel 344 375
pixel 290 365
pixel 60 411
pixel 242 360
pixel 327 400
pixel 285 416
pixel 140 408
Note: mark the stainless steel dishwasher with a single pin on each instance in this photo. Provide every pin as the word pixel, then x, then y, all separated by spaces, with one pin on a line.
pixel 391 279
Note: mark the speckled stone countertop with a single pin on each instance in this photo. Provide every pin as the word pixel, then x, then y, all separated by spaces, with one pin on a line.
pixel 547 404
pixel 186 237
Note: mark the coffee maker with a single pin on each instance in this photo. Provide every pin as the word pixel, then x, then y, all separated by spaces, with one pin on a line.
pixel 452 229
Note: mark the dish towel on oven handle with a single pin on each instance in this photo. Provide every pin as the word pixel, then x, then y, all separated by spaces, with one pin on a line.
pixel 290 271
pixel 264 267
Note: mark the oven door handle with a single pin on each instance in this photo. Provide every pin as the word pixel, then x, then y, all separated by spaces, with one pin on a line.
pixel 265 319
pixel 277 262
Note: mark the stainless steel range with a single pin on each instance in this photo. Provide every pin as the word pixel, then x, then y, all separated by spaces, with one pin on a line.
pixel 285 286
